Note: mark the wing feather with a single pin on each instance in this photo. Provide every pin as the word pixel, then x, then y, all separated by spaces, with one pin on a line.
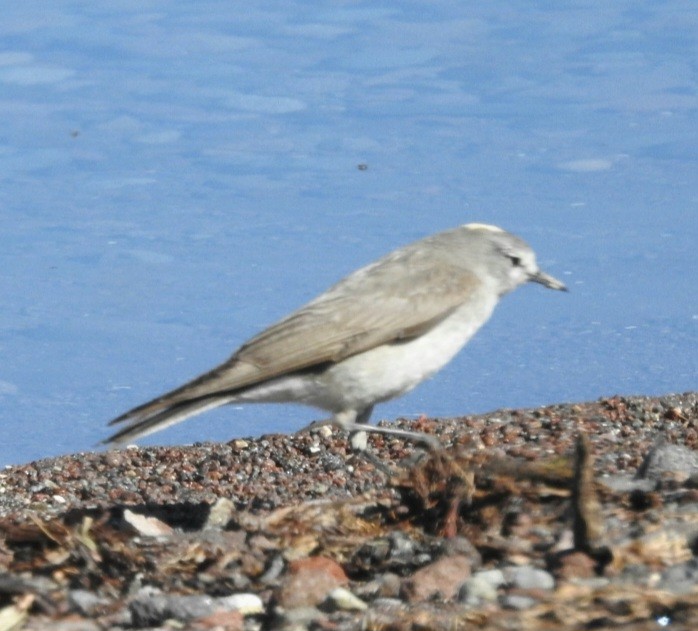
pixel 342 322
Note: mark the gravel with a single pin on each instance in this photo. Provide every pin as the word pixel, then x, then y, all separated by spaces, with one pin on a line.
pixel 231 535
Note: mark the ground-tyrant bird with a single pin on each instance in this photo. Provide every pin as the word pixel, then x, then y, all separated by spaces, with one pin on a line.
pixel 371 337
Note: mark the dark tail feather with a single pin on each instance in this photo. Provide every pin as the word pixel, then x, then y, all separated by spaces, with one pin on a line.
pixel 214 382
pixel 151 417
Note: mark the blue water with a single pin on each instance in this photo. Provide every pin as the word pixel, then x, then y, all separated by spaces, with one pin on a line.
pixel 174 176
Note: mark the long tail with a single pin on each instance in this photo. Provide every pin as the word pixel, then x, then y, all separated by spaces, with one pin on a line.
pixel 143 420
pixel 210 390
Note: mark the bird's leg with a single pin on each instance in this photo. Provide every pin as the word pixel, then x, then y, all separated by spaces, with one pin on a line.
pixel 429 441
pixel 358 428
pixel 359 440
pixel 356 423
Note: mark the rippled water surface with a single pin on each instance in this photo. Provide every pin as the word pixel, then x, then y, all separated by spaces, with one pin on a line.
pixel 176 175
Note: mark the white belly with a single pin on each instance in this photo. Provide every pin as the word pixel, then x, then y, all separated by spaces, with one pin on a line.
pixel 380 374
pixel 394 369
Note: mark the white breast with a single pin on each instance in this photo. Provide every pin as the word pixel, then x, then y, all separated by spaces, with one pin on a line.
pixel 393 369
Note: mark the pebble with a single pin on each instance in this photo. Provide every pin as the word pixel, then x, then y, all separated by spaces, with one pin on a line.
pixel 151 606
pixel 667 457
pixel 529 577
pixel 85 602
pixel 385 585
pixel 681 578
pixel 388 603
pixel 517 601
pixel 220 513
pixel 274 570
pixel 146 525
pixel 325 431
pixel 247 604
pixel 309 581
pixel 440 579
pixel 396 551
pixel 494 577
pixel 342 598
pixel 403 548
pixel 480 588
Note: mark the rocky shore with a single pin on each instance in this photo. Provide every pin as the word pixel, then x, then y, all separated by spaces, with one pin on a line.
pixel 573 516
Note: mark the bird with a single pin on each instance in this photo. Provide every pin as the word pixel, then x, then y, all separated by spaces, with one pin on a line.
pixel 371 337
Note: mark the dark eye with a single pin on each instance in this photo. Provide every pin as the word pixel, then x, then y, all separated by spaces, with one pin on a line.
pixel 515 260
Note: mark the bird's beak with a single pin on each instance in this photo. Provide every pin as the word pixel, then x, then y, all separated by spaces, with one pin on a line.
pixel 547 280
